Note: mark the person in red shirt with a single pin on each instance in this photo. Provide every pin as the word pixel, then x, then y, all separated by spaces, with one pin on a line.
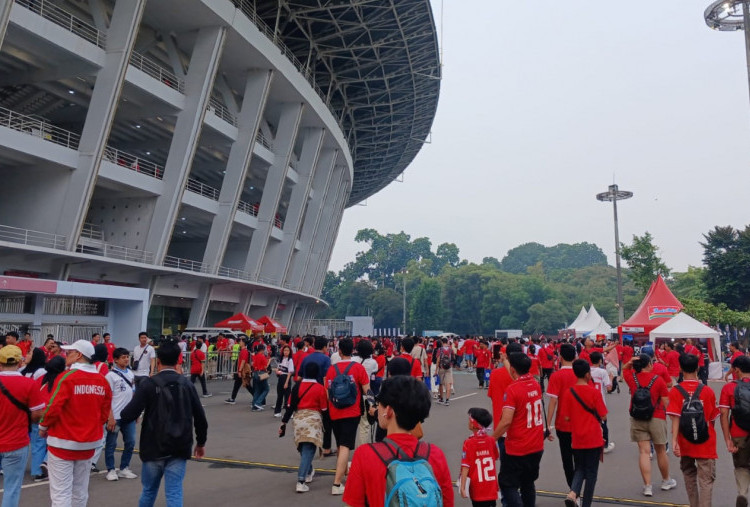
pixel 301 354
pixel 559 385
pixel 260 377
pixel 345 420
pixel 523 424
pixel 697 460
pixel 736 439
pixel 586 411
pixel 197 366
pixel 500 379
pixel 26 344
pixel 588 349
pixel 535 370
pixel 638 372
pixel 482 355
pixel 546 356
pixel 110 348
pixel 735 351
pixel 691 348
pixel 469 350
pixel 243 358
pixel 671 359
pixel 403 402
pixel 407 345
pixel 478 458
pixel 221 342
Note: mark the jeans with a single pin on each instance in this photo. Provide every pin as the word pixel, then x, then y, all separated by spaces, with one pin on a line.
pixel 14 466
pixel 282 394
pixel 38 450
pixel 587 469
pixel 128 438
pixel 261 390
pixel 307 453
pixel 173 470
pixel 202 378
pixel 565 438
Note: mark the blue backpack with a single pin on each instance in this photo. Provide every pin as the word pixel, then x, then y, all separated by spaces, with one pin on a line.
pixel 343 391
pixel 410 481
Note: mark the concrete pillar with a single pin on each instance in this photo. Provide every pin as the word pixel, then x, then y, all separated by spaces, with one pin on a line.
pixel 331 235
pixel 121 36
pixel 199 309
pixel 316 248
pixel 200 77
pixel 286 134
pixel 256 93
pixel 5 8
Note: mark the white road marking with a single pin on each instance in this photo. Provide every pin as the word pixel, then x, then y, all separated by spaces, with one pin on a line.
pixel 464 396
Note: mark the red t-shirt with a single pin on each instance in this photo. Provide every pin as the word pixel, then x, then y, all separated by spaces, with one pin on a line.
pixel 479 455
pixel 469 346
pixel 25 346
pixel 102 368
pixel 243 357
pixel 534 370
pixel 658 390
pixel 14 424
pixel 661 370
pixel 110 349
pixel 586 353
pixel 626 353
pixel 260 361
pixel 546 356
pixel 672 358
pixel 707 449
pixel 297 359
pixel 313 396
pixel 359 375
pixel 559 383
pixel 380 359
pixel 500 379
pixel 692 349
pixel 586 430
pixel 726 400
pixel 416 366
pixel 483 358
pixel 731 360
pixel 365 484
pixel 526 432
pixel 196 361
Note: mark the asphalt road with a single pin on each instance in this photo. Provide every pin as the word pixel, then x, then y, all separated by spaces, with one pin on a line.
pixel 248 464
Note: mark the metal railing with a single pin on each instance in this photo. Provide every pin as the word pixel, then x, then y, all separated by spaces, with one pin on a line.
pixel 133 163
pixel 38 128
pixel 263 140
pixel 156 71
pixel 74 306
pixel 278 223
pixel 186 264
pixel 236 273
pixel 199 188
pixel 118 252
pixel 14 304
pixel 246 207
pixel 66 20
pixel 92 231
pixel 220 110
pixel 219 365
pixel 32 238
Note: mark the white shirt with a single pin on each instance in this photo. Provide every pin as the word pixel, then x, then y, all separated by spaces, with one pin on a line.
pixel 371 367
pixel 122 393
pixel 600 378
pixel 144 363
pixel 288 363
pixel 336 358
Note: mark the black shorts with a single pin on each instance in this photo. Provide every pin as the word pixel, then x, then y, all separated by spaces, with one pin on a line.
pixel 516 470
pixel 345 431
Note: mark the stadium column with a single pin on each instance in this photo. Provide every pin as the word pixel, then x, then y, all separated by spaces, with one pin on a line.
pixel 331 235
pixel 121 36
pixel 5 7
pixel 286 134
pixel 200 77
pixel 199 308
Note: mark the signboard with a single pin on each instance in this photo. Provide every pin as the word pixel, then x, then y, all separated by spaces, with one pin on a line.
pixel 627 329
pixel 662 312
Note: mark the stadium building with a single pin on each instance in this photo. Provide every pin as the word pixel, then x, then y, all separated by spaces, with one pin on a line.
pixel 167 163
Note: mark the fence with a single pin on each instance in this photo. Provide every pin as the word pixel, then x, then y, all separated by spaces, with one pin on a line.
pixel 66 20
pixel 29 237
pixel 220 365
pixel 37 127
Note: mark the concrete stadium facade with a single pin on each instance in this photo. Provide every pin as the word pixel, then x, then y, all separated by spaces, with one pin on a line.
pixel 201 151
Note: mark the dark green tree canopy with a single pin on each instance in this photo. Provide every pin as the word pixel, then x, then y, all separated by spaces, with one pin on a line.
pixel 726 254
pixel 562 256
pixel 642 257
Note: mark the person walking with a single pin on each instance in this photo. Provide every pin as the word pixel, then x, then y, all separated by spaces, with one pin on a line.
pixel 284 374
pixel 735 425
pixel 122 382
pixel 444 359
pixel 172 410
pixel 53 369
pixel 243 375
pixel 144 357
pixel 260 378
pixel 557 418
pixel 198 366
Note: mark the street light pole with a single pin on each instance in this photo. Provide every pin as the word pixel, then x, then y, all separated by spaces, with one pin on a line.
pixel 404 294
pixel 730 16
pixel 614 194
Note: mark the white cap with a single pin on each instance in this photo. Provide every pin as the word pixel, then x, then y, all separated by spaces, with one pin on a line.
pixel 82 346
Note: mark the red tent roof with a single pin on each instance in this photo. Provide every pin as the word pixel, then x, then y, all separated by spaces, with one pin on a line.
pixel 241 322
pixel 658 306
pixel 272 326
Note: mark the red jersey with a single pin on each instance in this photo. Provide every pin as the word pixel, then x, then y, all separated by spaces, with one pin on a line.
pixel 526 432
pixel 672 358
pixel 25 346
pixel 365 484
pixel 416 366
pixel 692 349
pixel 359 375
pixel 110 349
pixel 626 354
pixel 483 358
pixel 586 430
pixel 297 359
pixel 243 357
pixel 312 396
pixel 534 370
pixel 479 455
pixel 559 384
pixel 469 346
pixel 658 390
pixel 14 430
pixel 500 379
pixel 586 353
pixel 380 359
pixel 731 360
pixel 260 361
pixel 197 357
pixel 546 356
pixel 661 370
pixel 708 448
pixel 726 400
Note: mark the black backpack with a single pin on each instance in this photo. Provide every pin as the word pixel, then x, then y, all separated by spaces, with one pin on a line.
pixel 172 418
pixel 641 406
pixel 741 409
pixel 693 425
pixel 343 391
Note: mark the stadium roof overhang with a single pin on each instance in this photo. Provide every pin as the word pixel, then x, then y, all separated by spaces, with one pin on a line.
pixel 378 63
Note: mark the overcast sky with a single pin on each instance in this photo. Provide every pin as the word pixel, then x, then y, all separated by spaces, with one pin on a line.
pixel 543 103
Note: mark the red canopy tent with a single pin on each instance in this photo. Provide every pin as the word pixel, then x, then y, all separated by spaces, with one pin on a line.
pixel 241 322
pixel 272 326
pixel 658 306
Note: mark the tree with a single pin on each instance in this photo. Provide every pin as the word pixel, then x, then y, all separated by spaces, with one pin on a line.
pixel 521 257
pixel 726 254
pixel 445 255
pixel 386 307
pixel 491 261
pixel 643 260
pixel 689 284
pixel 547 317
pixel 560 256
pixel 427 309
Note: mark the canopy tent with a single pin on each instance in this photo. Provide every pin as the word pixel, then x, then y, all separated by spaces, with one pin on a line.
pixel 601 328
pixel 581 317
pixel 658 306
pixel 241 322
pixel 590 322
pixel 272 326
pixel 683 325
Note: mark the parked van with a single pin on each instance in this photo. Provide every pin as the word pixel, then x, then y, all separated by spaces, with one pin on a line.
pixel 209 332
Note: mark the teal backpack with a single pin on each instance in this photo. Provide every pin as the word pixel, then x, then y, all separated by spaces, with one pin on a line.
pixel 410 481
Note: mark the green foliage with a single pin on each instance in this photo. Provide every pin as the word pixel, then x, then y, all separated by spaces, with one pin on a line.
pixel 715 314
pixel 562 256
pixel 643 260
pixel 547 317
pixel 689 284
pixel 426 309
pixel 386 306
pixel 726 254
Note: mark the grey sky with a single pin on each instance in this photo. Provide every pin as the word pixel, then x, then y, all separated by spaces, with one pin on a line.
pixel 542 103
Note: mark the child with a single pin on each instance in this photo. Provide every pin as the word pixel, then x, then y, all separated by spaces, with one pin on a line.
pixel 482 355
pixel 587 411
pixel 478 461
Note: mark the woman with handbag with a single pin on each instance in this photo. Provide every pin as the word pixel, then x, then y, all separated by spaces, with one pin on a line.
pixel 260 378
pixel 284 374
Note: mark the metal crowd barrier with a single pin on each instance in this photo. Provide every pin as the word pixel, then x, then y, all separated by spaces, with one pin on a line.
pixel 219 365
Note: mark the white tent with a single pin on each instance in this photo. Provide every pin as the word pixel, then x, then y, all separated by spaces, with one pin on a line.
pixel 601 328
pixel 581 317
pixel 683 325
pixel 590 322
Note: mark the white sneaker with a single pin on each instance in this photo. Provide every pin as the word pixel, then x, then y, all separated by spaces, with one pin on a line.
pixel 648 490
pixel 126 473
pixel 302 487
pixel 112 475
pixel 309 478
pixel 337 490
pixel 668 484
pixel 610 447
pixel 277 414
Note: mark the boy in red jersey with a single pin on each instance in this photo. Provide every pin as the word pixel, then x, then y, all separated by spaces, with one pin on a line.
pixel 735 351
pixel 586 411
pixel 523 424
pixel 559 385
pixel 737 441
pixel 697 460
pixel 478 461
pixel 482 355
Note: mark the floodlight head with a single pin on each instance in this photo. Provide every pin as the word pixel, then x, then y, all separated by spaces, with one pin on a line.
pixel 725 15
pixel 614 194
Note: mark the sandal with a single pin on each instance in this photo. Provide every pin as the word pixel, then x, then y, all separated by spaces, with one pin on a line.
pixel 329 454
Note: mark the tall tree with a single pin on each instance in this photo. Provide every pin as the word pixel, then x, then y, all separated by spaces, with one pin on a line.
pixel 689 284
pixel 547 317
pixel 427 309
pixel 386 307
pixel 643 261
pixel 726 254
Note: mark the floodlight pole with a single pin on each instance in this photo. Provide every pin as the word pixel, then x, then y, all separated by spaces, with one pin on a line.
pixel 730 16
pixel 614 194
pixel 404 294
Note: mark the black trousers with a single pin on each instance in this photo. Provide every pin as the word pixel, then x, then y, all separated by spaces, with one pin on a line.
pixel 565 439
pixel 546 373
pixel 327 430
pixel 202 378
pixel 517 479
pixel 480 376
pixel 237 385
pixel 282 394
pixel 587 469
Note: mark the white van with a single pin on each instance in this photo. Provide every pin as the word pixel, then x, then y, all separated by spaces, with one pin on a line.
pixel 209 332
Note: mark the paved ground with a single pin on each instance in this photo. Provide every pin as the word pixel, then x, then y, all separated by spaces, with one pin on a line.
pixel 248 462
